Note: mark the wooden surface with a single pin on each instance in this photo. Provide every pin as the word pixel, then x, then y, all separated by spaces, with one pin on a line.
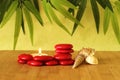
pixel 107 69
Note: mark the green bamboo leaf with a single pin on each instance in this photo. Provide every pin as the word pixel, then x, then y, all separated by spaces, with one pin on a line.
pixel 4 5
pixel 65 3
pixel 106 21
pixel 1 1
pixel 64 12
pixel 108 4
pixel 72 1
pixel 117 4
pixel 22 25
pixel 105 3
pixel 75 3
pixel 29 22
pixel 36 4
pixel 95 13
pixel 80 12
pixel 115 26
pixel 72 11
pixel 9 13
pixel 44 2
pixel 102 3
pixel 55 18
pixel 31 8
pixel 17 25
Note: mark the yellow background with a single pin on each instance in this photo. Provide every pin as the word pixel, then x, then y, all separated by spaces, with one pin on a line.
pixel 49 35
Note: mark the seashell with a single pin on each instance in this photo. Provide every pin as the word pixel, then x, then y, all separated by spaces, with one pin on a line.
pixel 87 52
pixel 91 60
pixel 78 60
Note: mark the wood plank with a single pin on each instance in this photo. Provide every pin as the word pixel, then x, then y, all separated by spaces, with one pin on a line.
pixel 107 69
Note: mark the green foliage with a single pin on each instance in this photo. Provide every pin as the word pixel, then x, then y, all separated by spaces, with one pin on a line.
pixel 80 12
pixel 29 22
pixel 4 5
pixel 105 3
pixel 111 15
pixel 21 7
pixel 107 16
pixel 9 13
pixel 95 13
pixel 18 22
pixel 55 18
pixel 115 26
pixel 33 10
pixel 71 9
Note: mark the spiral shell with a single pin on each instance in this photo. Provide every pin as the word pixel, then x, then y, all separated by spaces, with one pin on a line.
pixel 78 60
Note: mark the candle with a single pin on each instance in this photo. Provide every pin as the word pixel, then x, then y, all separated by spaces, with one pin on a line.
pixel 39 53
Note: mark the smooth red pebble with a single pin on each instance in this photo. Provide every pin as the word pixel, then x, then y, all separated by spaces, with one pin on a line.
pixel 43 58
pixel 25 57
pixel 67 62
pixel 34 63
pixel 63 46
pixel 22 61
pixel 52 63
pixel 64 51
pixel 63 56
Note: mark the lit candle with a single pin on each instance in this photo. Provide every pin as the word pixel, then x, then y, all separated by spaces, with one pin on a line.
pixel 39 53
pixel 42 54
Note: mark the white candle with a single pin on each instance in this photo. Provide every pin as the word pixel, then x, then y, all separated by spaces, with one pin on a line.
pixel 39 53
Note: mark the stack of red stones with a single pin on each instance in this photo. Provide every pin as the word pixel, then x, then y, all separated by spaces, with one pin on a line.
pixel 63 57
pixel 63 54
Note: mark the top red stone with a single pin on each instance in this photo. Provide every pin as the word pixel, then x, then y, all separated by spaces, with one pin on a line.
pixel 63 46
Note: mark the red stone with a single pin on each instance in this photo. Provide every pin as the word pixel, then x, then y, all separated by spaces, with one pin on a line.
pixel 34 63
pixel 63 46
pixel 62 56
pixel 22 61
pixel 64 51
pixel 25 57
pixel 52 63
pixel 67 62
pixel 43 58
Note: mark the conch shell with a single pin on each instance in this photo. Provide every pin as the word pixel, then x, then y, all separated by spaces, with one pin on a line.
pixel 91 60
pixel 85 54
